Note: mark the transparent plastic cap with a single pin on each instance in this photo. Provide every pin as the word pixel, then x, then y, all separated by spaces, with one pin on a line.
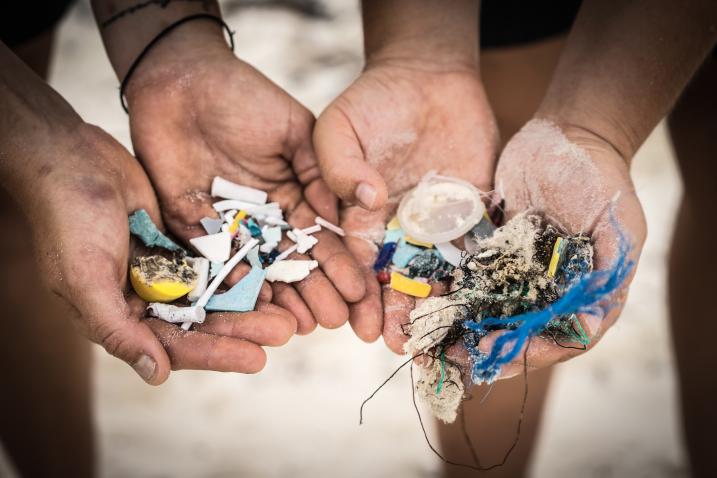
pixel 440 209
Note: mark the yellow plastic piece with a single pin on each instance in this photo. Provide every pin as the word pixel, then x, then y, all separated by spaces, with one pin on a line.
pixel 555 258
pixel 408 286
pixel 416 242
pixel 234 226
pixel 161 291
pixel 394 224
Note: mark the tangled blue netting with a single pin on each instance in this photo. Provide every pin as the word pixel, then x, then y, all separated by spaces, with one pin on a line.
pixel 583 296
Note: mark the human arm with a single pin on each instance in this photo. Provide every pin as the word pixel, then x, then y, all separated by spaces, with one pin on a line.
pixel 419 105
pixel 196 112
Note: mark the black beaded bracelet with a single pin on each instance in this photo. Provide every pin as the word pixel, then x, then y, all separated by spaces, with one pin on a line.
pixel 162 34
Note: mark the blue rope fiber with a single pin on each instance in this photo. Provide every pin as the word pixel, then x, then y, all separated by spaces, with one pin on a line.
pixel 583 296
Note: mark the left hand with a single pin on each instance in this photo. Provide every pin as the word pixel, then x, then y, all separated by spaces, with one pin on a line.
pixel 197 112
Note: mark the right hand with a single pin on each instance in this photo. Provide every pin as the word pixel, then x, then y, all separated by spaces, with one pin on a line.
pixel 396 122
pixel 85 186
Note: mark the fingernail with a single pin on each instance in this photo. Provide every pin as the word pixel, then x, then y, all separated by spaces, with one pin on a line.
pixel 366 194
pixel 145 367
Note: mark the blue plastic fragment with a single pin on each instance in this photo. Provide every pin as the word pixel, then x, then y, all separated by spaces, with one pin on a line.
pixel 272 235
pixel 404 253
pixel 214 268
pixel 253 257
pixel 141 225
pixel 393 235
pixel 253 227
pixel 242 297
pixel 384 256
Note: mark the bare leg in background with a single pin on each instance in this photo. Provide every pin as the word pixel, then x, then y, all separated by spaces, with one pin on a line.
pixel 515 80
pixel 693 127
pixel 45 403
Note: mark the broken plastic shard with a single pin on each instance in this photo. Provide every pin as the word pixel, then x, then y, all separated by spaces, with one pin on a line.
pixel 158 279
pixel 384 256
pixel 242 297
pixel 409 286
pixel 214 268
pixel 211 225
pixel 215 247
pixel 201 267
pixel 404 253
pixel 450 253
pixel 289 270
pixel 304 242
pixel 141 225
pixel 177 315
pixel 253 257
pixel 393 235
pixel 556 257
pixel 483 229
pixel 329 225
pixel 228 190
pixel 286 253
pixel 440 209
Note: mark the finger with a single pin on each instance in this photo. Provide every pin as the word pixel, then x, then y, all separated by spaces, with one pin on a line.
pixel 190 350
pixel 326 304
pixel 397 307
pixel 286 297
pixel 110 321
pixel 269 325
pixel 342 162
pixel 336 262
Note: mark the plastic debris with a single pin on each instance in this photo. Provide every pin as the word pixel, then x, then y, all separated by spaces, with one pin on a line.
pixel 236 220
pixel 201 268
pixel 224 272
pixel 211 225
pixel 384 256
pixel 404 253
pixel 177 315
pixel 408 286
pixel 393 235
pixel 440 209
pixel 286 253
pixel 214 268
pixel 383 277
pixel 416 242
pixel 141 225
pixel 242 297
pixel 485 228
pixel 228 190
pixel 330 226
pixel 303 241
pixel 555 259
pixel 311 229
pixel 450 253
pixel 253 257
pixel 215 247
pixel 158 279
pixel 290 270
pixel 393 224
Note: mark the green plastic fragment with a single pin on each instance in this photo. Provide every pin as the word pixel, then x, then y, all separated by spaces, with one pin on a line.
pixel 442 380
pixel 141 225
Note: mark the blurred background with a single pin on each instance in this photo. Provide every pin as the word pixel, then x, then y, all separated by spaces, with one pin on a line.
pixel 611 412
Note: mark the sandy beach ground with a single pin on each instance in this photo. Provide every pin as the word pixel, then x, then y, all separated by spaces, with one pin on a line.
pixel 611 413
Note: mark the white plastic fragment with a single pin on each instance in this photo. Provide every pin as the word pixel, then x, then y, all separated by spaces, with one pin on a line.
pixel 289 270
pixel 223 188
pixel 285 254
pixel 275 221
pixel 272 237
pixel 201 267
pixel 173 314
pixel 223 273
pixel 450 253
pixel 311 229
pixel 331 227
pixel 303 241
pixel 211 225
pixel 269 209
pixel 215 247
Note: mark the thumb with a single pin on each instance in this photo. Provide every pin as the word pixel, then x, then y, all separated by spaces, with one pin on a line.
pixel 342 162
pixel 108 320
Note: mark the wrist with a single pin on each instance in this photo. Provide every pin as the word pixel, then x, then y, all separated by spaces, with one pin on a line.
pixel 422 33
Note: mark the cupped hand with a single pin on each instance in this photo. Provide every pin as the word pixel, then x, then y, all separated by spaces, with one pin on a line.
pixel 396 122
pixel 578 181
pixel 197 112
pixel 86 186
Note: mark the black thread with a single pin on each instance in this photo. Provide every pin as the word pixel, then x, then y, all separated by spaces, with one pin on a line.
pixel 162 34
pixel 147 3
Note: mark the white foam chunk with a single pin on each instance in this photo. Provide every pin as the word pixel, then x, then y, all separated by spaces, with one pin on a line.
pixel 450 253
pixel 215 247
pixel 330 226
pixel 201 267
pixel 223 188
pixel 289 270
pixel 176 315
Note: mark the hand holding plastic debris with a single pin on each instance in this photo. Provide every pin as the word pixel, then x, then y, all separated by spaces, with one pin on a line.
pixel 377 140
pixel 246 152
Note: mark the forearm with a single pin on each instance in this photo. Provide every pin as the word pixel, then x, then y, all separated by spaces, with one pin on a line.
pixel 625 64
pixel 33 119
pixel 431 31
pixel 125 36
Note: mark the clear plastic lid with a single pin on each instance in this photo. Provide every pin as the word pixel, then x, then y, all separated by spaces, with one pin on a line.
pixel 440 209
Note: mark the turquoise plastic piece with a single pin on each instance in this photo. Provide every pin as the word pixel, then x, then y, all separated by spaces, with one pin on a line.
pixel 141 225
pixel 240 298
